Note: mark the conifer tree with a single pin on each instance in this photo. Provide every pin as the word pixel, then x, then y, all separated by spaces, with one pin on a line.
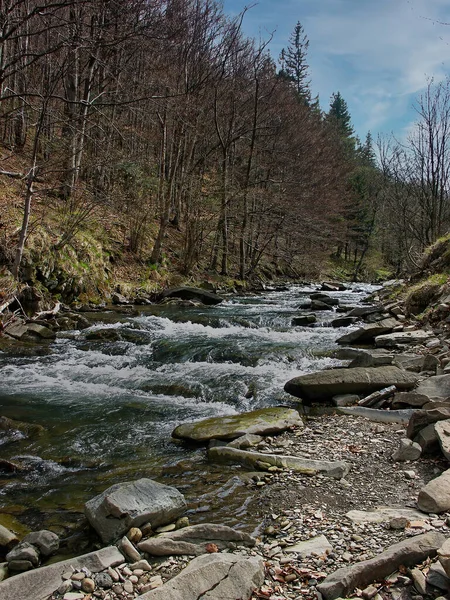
pixel 293 63
pixel 339 115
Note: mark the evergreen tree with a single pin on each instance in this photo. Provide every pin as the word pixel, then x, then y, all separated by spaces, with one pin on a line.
pixel 293 63
pixel 339 115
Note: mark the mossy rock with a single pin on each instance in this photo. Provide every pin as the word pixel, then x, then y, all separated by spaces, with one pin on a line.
pixel 265 421
pixel 423 294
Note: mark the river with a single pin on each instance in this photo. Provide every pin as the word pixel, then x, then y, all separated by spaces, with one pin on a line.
pixel 108 407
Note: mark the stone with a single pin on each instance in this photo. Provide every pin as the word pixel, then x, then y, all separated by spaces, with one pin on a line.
pixel 421 418
pixel 134 535
pixel 435 496
pixel 420 583
pixel 437 577
pixel 20 565
pixel 304 320
pixel 444 556
pixel 409 399
pixel 246 441
pixel 364 311
pixel 318 546
pixel 264 421
pixel 391 340
pixel 8 539
pixel 40 583
pixel 323 385
pixel 213 577
pixel 88 585
pixel 118 299
pixel 46 541
pixel 345 400
pixel 189 293
pixel 336 469
pixel 343 321
pixel 194 540
pixel 132 504
pixel 379 416
pixel 40 331
pixel 436 388
pixel 129 550
pixel 383 514
pixel 320 305
pixel 105 580
pixel 408 552
pixel 427 439
pixel 442 429
pixel 408 450
pixel 166 528
pixel 371 358
pixel 23 551
pixel 409 362
pixel 367 333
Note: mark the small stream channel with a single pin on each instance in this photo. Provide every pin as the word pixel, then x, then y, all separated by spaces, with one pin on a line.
pixel 108 407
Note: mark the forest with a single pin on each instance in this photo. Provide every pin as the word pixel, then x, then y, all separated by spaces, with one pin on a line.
pixel 160 131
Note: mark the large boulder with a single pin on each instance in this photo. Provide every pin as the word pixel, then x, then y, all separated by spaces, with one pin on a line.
pixel 132 504
pixel 190 293
pixel 442 429
pixel 435 496
pixel 408 552
pixel 213 577
pixel 194 540
pixel 323 385
pixel 265 421
pixel 369 332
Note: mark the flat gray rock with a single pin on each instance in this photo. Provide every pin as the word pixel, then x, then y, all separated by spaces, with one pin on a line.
pixel 407 450
pixel 367 333
pixel 391 340
pixel 336 469
pixel 194 540
pixel 40 583
pixel 213 577
pixel 436 388
pixel 435 496
pixel 131 504
pixel 323 385
pixel 318 545
pixel 383 514
pixel 359 575
pixel 264 421
pixel 422 418
pixel 377 415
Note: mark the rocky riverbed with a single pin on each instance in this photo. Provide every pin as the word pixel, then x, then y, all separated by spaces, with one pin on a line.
pixel 352 528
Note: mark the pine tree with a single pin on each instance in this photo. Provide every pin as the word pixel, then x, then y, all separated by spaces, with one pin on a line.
pixel 293 63
pixel 339 115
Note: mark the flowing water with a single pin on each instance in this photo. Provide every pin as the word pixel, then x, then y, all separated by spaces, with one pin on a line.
pixel 108 407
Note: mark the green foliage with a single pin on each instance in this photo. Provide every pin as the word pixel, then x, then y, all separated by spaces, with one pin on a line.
pixel 339 116
pixel 421 295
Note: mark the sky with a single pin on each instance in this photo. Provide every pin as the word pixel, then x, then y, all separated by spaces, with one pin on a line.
pixel 378 54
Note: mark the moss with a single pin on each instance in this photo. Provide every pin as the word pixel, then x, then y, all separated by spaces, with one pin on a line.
pixel 423 294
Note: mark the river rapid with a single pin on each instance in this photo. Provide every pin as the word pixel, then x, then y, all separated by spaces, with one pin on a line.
pixel 108 407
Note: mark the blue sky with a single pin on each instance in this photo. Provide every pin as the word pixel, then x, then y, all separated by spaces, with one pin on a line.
pixel 377 53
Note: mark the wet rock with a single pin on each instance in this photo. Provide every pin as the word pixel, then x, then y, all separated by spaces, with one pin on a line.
pixel 23 552
pixel 336 469
pixel 323 385
pixel 131 504
pixel 408 450
pixel 213 576
pixel 189 293
pixel 265 421
pixel 343 321
pixel 408 552
pixel 435 496
pixel 368 333
pixel 40 331
pixel 104 335
pixel 319 305
pixel 442 430
pixel 46 541
pixel 118 299
pixel 195 539
pixel 422 418
pixel 304 320
pixel 318 545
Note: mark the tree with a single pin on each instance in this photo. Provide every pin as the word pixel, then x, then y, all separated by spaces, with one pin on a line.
pixel 293 63
pixel 339 116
